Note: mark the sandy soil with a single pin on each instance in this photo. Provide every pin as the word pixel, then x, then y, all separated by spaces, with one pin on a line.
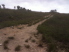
pixel 21 33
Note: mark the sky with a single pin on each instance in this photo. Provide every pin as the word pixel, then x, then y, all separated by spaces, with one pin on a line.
pixel 39 5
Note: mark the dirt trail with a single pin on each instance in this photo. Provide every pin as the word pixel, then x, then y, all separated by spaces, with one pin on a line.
pixel 23 35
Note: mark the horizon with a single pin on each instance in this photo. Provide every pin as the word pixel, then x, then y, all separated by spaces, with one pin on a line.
pixel 38 5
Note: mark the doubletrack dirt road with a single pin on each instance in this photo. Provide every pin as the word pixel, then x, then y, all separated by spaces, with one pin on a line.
pixel 23 35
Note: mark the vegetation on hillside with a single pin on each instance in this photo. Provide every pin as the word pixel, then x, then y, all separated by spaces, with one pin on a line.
pixel 56 32
pixel 10 17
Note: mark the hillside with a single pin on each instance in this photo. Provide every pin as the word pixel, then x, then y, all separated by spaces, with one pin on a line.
pixel 11 17
pixel 19 30
pixel 56 33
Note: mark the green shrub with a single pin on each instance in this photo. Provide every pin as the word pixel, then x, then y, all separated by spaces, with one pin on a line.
pixel 52 47
pixel 40 45
pixel 10 37
pixel 5 47
pixel 26 40
pixel 6 42
pixel 5 34
pixel 33 40
pixel 18 48
pixel 27 46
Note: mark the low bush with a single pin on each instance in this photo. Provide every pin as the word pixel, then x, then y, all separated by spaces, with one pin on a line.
pixel 10 37
pixel 33 40
pixel 40 45
pixel 18 48
pixel 5 47
pixel 27 46
pixel 6 42
pixel 26 40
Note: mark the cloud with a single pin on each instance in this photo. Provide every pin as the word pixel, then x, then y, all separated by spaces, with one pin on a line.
pixel 39 5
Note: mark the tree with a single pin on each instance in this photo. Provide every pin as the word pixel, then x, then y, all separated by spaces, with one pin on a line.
pixel 18 7
pixel 14 7
pixel 3 6
pixel 53 10
pixel 24 9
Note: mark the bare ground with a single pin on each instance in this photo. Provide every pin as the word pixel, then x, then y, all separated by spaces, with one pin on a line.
pixel 23 35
